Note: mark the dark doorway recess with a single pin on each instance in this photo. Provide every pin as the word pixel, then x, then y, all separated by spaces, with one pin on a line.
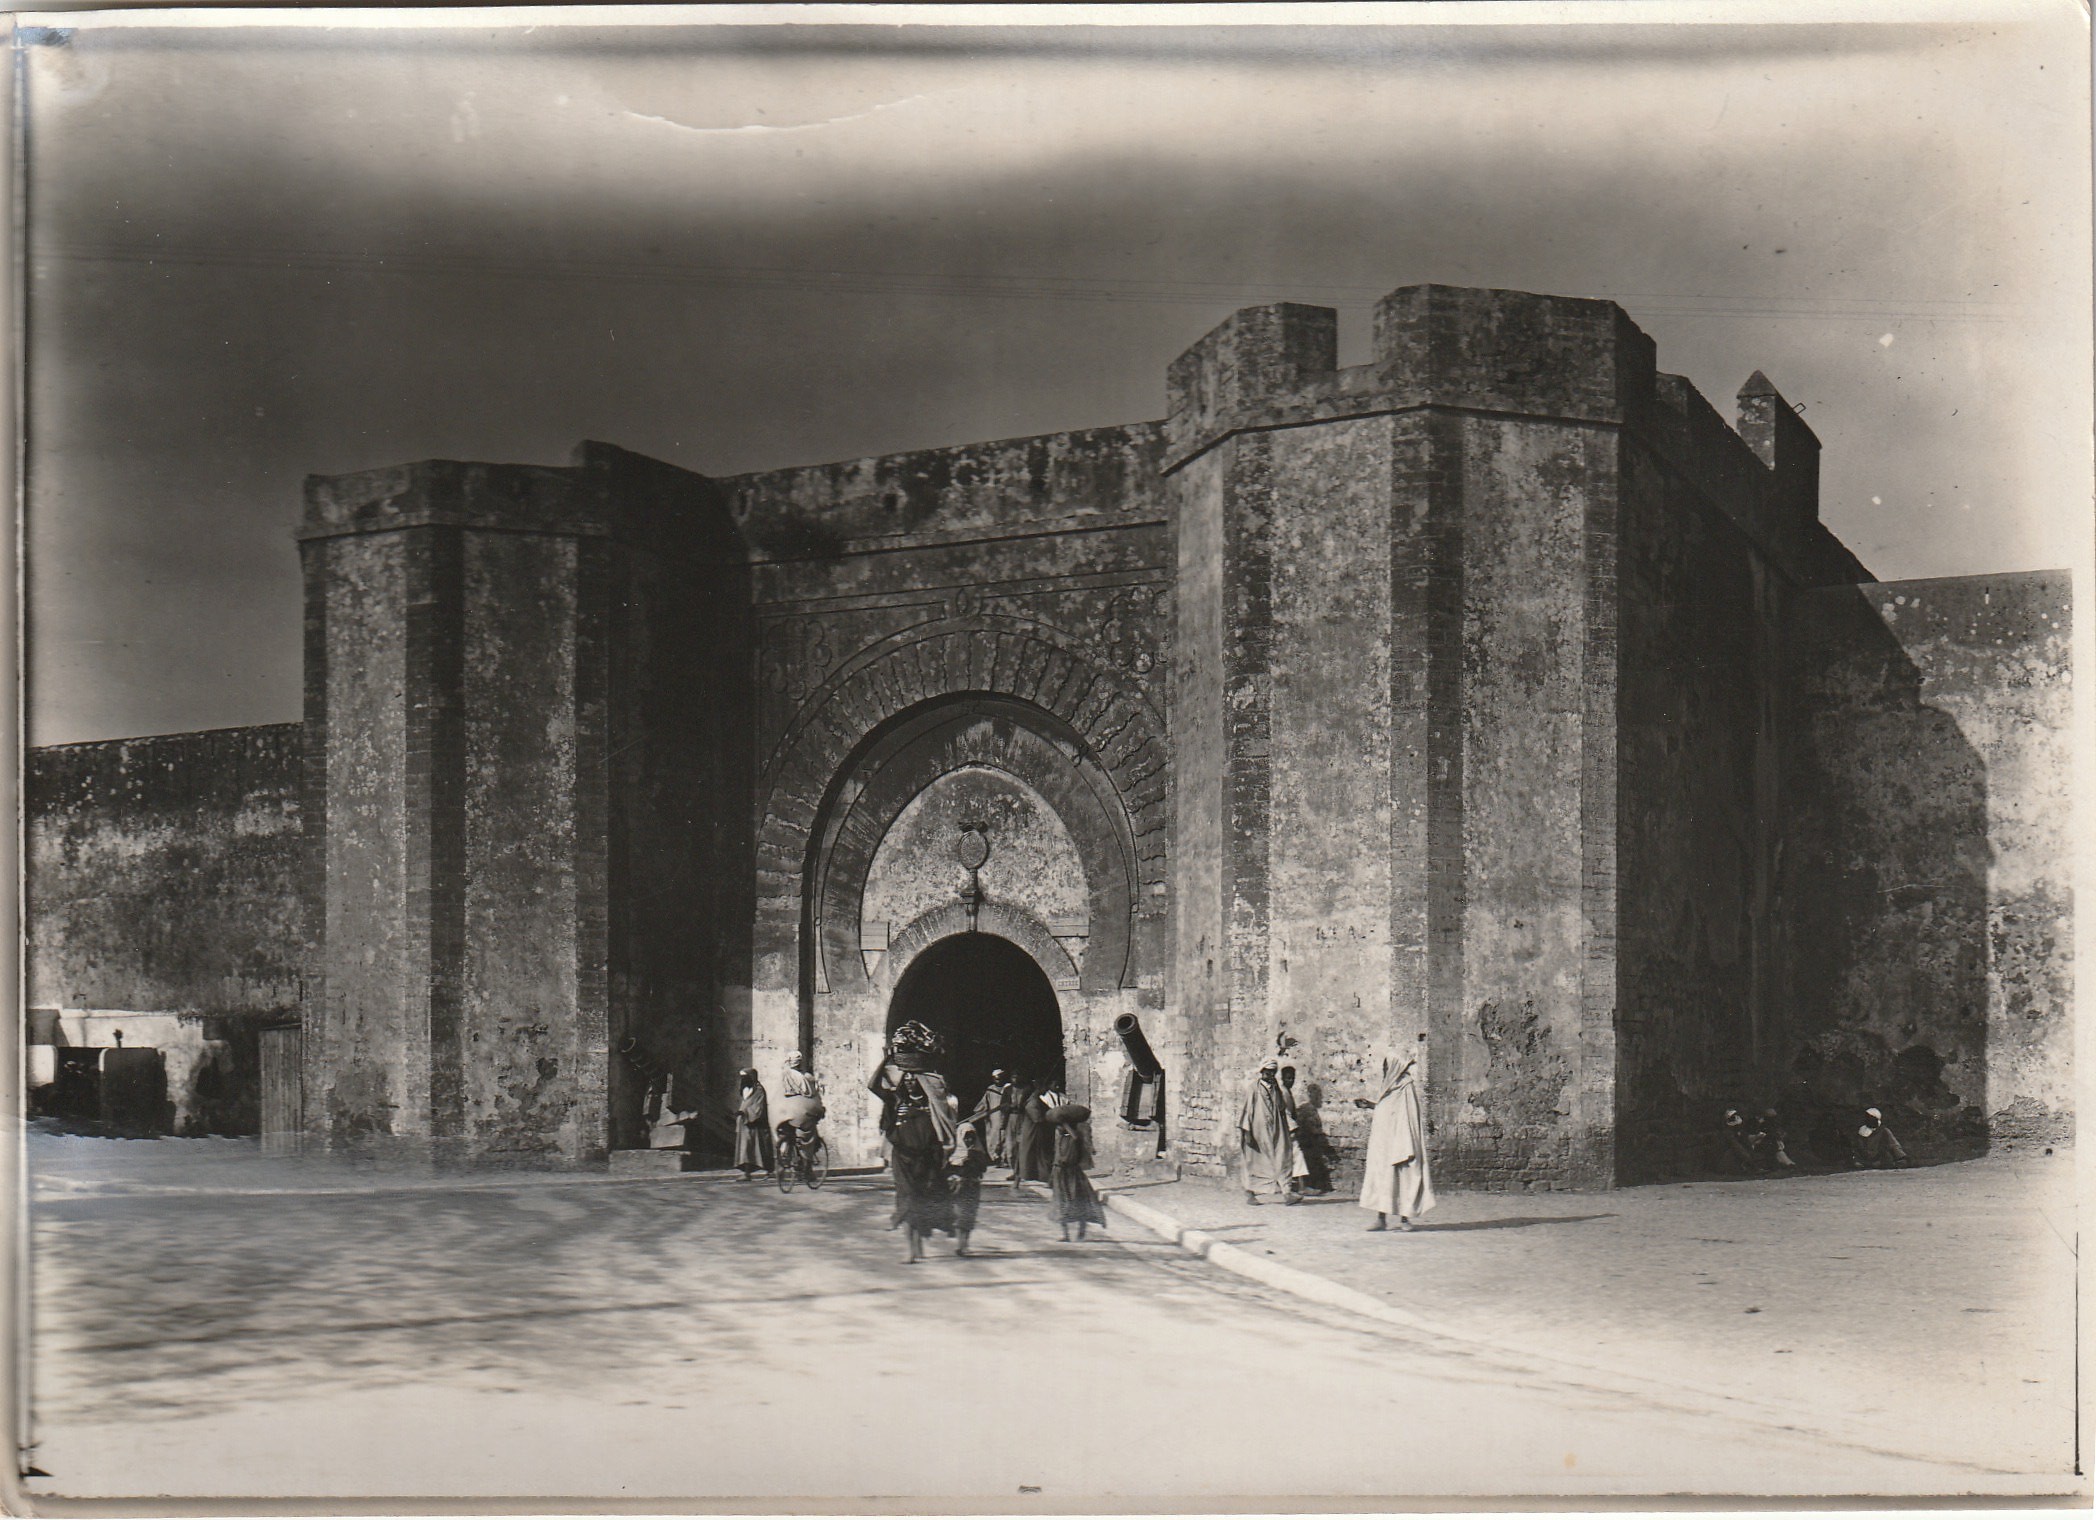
pixel 991 1005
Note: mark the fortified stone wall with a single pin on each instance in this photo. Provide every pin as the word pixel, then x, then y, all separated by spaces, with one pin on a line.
pixel 1283 734
pixel 1325 958
pixel 1475 723
pixel 1192 1038
pixel 528 1057
pixel 1696 748
pixel 1001 606
pixel 162 873
pixel 678 779
pixel 366 1056
pixel 1928 875
pixel 1720 531
pixel 483 863
pixel 1400 823
pixel 1493 702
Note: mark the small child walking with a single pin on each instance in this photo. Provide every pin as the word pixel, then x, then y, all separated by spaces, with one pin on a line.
pixel 970 1159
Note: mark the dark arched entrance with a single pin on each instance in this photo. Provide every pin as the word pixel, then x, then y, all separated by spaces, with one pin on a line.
pixel 991 1005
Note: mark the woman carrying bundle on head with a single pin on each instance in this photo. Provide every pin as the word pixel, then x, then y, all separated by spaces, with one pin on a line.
pixel 1076 1200
pixel 920 1132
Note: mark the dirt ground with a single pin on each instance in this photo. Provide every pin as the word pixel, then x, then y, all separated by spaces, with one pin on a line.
pixel 211 1324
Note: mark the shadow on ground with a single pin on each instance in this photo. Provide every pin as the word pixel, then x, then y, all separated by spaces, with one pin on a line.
pixel 1519 1223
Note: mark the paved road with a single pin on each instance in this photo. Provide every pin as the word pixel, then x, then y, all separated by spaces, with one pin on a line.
pixel 692 1338
pixel 1930 1311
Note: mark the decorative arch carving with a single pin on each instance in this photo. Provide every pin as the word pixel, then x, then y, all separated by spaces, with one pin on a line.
pixel 1007 921
pixel 999 734
pixel 983 652
pixel 896 693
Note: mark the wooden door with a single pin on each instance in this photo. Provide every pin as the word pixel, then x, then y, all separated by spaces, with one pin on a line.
pixel 283 1108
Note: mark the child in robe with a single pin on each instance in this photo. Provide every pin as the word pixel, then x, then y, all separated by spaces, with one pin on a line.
pixel 970 1159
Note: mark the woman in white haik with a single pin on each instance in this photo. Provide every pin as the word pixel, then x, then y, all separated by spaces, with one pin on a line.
pixel 1397 1180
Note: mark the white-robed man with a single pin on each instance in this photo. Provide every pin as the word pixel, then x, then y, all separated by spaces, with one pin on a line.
pixel 993 1115
pixel 1397 1180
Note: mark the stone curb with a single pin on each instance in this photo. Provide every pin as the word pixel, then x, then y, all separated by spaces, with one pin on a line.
pixel 1307 1285
pixel 1588 1375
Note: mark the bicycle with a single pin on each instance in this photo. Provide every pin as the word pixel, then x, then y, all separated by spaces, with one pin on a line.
pixel 803 1157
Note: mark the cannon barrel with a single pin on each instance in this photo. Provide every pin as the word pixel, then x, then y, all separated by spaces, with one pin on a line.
pixel 1130 1029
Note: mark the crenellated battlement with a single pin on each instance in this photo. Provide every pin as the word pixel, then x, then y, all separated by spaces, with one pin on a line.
pixel 1435 345
pixel 1249 371
pixel 1512 354
pixel 1512 351
pixel 1772 428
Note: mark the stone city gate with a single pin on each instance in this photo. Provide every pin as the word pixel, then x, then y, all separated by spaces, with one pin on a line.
pixel 1005 733
pixel 1494 698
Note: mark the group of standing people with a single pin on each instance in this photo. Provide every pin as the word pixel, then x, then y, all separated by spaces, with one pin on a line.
pixel 937 1158
pixel 1015 1115
pixel 1397 1179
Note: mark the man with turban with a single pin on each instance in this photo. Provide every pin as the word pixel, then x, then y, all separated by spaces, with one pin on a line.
pixel 796 1081
pixel 1022 1102
pixel 1734 1149
pixel 1874 1145
pixel 752 1126
pixel 993 1114
pixel 799 1108
pixel 1266 1138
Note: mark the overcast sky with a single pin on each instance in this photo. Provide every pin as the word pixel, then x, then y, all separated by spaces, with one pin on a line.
pixel 262 253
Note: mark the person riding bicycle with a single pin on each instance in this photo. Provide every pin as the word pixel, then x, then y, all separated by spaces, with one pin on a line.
pixel 799 1108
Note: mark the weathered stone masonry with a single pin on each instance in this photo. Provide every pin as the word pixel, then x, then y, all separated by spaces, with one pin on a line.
pixel 523 750
pixel 164 879
pixel 1493 699
pixel 164 873
pixel 1926 885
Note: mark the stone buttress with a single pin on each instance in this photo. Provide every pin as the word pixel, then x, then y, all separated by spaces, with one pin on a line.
pixel 521 689
pixel 1415 669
